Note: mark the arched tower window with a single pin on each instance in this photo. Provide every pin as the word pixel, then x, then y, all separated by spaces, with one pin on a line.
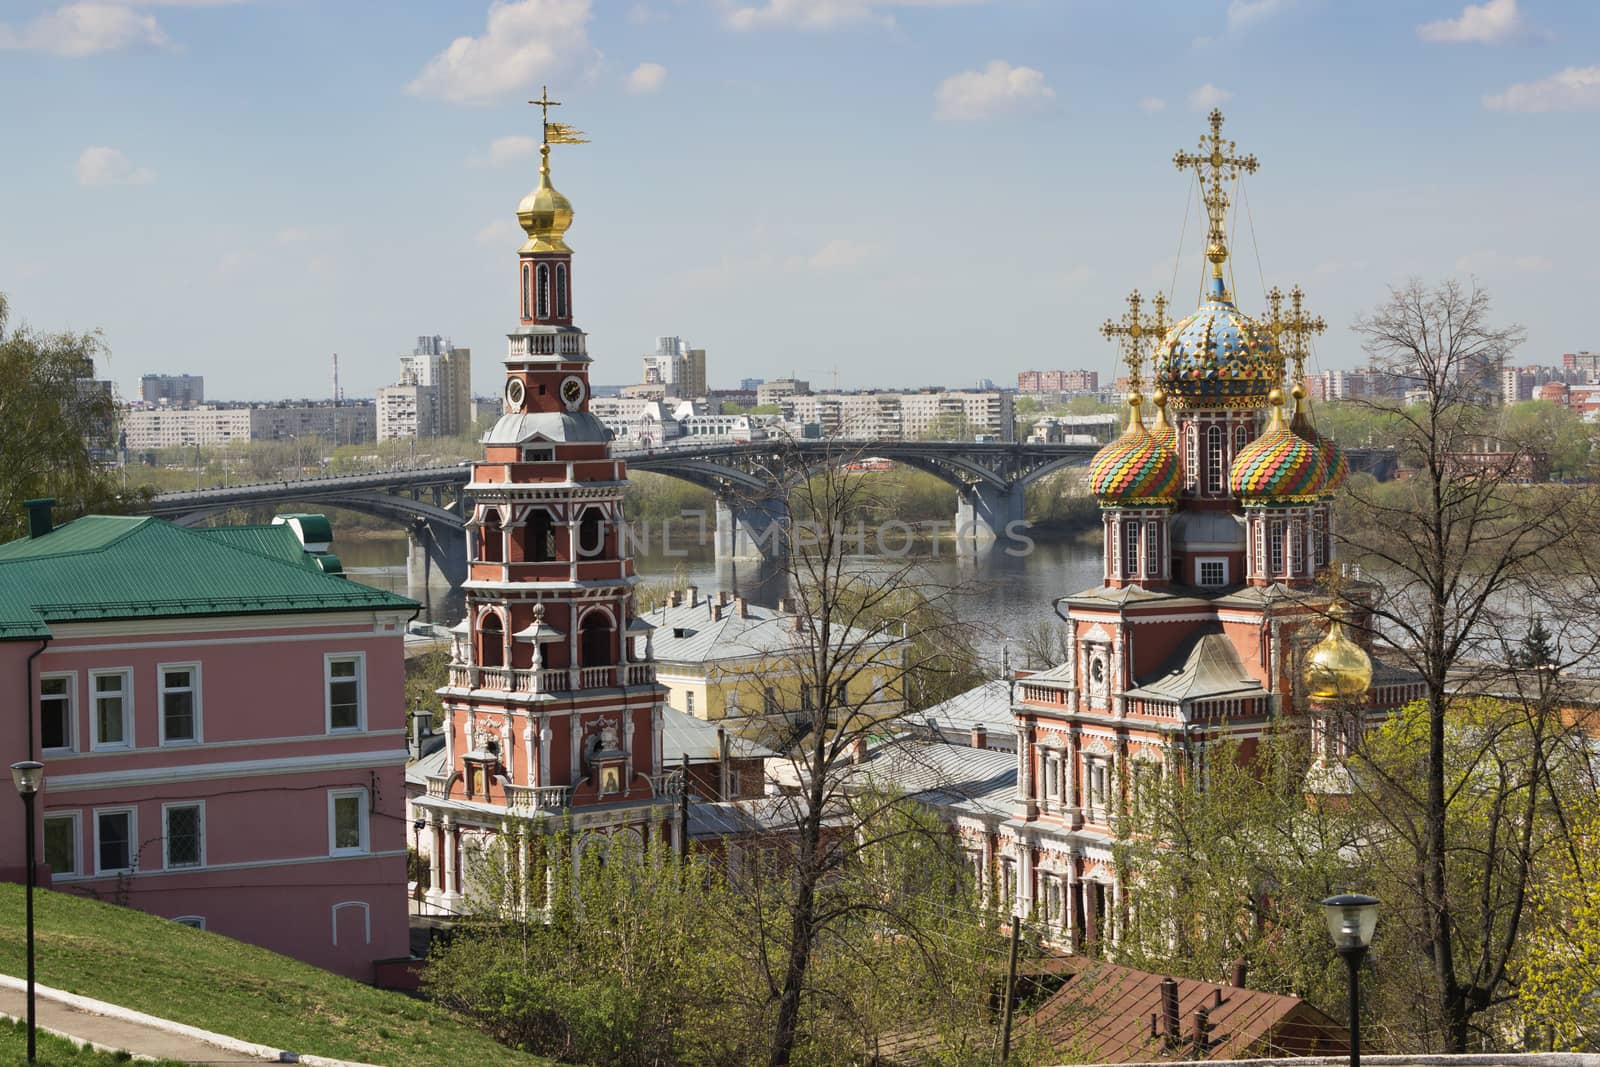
pixel 543 291
pixel 594 641
pixel 540 543
pixel 591 534
pixel 1215 472
pixel 1241 437
pixel 491 642
pixel 526 286
pixel 561 290
pixel 1191 457
pixel 491 540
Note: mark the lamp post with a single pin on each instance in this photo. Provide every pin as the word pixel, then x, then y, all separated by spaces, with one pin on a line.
pixel 1351 919
pixel 28 777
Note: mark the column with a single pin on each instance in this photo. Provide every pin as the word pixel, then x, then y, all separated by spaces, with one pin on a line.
pixel 1073 919
pixel 545 736
pixel 450 895
pixel 508 751
pixel 1024 878
pixel 534 778
pixel 435 861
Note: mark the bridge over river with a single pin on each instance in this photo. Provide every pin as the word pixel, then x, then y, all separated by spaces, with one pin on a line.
pixel 747 481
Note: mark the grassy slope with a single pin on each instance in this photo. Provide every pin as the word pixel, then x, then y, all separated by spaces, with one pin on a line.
pixel 149 964
pixel 56 1052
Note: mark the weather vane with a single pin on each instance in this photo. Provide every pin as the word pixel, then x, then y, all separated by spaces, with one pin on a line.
pixel 556 132
pixel 1216 164
pixel 1135 331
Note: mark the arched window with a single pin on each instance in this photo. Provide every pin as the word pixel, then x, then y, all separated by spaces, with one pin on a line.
pixel 539 539
pixel 591 534
pixel 491 642
pixel 1130 532
pixel 526 286
pixel 1275 546
pixel 491 539
pixel 1215 474
pixel 1241 437
pixel 1297 547
pixel 594 641
pixel 543 294
pixel 1319 537
pixel 1191 457
pixel 561 290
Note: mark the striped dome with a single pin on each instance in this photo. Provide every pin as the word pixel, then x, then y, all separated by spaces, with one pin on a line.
pixel 1135 469
pixel 1335 468
pixel 1217 357
pixel 1279 467
pixel 1161 429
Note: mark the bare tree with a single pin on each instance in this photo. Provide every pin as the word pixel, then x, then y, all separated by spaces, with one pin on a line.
pixel 1460 549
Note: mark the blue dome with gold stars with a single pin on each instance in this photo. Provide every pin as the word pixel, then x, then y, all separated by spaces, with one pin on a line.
pixel 1218 357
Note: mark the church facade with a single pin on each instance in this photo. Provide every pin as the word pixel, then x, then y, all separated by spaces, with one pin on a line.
pixel 1217 615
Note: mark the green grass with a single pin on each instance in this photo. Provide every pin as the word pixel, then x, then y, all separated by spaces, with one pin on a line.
pixel 56 1052
pixel 191 976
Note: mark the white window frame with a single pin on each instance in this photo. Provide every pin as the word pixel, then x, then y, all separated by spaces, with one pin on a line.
pixel 72 708
pixel 334 796
pixel 1216 464
pixel 161 702
pixel 133 838
pixel 1200 565
pixel 1276 535
pixel 1130 537
pixel 328 660
pixel 166 853
pixel 76 818
pixel 688 701
pixel 196 922
pixel 126 695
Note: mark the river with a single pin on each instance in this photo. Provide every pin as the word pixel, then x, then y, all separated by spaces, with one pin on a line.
pixel 1002 594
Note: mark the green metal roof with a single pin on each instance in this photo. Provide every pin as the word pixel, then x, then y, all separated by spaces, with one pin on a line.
pixel 116 567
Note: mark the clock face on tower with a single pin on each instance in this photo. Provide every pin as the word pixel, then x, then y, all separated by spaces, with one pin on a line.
pixel 515 393
pixel 572 392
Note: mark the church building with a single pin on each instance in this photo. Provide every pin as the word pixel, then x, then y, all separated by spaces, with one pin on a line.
pixel 552 717
pixel 1217 615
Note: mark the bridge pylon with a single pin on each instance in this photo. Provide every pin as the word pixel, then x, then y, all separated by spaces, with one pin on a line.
pixel 747 529
pixel 987 512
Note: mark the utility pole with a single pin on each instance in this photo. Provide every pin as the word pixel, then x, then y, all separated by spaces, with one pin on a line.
pixel 683 810
pixel 1011 992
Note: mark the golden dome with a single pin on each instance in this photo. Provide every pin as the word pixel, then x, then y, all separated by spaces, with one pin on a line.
pixel 1337 668
pixel 544 213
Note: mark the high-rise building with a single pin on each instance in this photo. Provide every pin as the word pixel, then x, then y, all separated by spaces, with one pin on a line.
pixel 1058 381
pixel 552 713
pixel 674 369
pixel 176 390
pixel 693 385
pixel 437 365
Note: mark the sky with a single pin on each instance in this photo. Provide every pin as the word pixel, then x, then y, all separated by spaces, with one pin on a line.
pixel 860 192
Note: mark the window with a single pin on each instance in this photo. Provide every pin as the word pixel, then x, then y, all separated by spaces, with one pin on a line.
pixel 180 703
pixel 1213 572
pixel 1297 546
pixel 61 843
pixel 1214 463
pixel 111 723
pixel 1191 458
pixel 1241 437
pixel 688 702
pixel 808 698
pixel 841 694
pixel 197 922
pixel 525 288
pixel 55 711
pixel 1130 534
pixel 346 710
pixel 561 291
pixel 769 700
pixel 1152 549
pixel 113 840
pixel 732 703
pixel 1275 545
pixel 184 833
pixel 347 822
pixel 1319 536
pixel 542 292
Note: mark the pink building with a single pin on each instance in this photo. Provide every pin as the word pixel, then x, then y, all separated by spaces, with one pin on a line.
pixel 221 719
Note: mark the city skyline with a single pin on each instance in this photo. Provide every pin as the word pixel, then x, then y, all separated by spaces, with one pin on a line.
pixel 778 180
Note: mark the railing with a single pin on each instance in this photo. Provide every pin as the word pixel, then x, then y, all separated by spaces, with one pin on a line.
pixel 596 677
pixel 641 673
pixel 550 680
pixel 437 784
pixel 669 784
pixel 538 797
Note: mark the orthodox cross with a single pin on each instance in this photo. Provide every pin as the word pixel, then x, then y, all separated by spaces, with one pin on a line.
pixel 555 132
pixel 1276 325
pixel 544 104
pixel 1301 328
pixel 1216 164
pixel 1135 331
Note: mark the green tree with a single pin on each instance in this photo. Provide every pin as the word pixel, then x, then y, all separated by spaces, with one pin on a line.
pixel 47 422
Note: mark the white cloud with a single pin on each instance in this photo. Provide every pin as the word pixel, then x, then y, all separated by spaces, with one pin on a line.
pixel 501 232
pixel 1491 261
pixel 1491 22
pixel 84 29
pixel 822 14
pixel 998 89
pixel 1208 96
pixel 1573 89
pixel 1242 13
pixel 99 165
pixel 839 254
pixel 523 41
pixel 1152 104
pixel 647 78
pixel 505 149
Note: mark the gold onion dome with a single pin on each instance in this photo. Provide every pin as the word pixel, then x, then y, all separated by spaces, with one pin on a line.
pixel 1217 357
pixel 1137 469
pixel 1335 468
pixel 1279 467
pixel 1337 668
pixel 544 213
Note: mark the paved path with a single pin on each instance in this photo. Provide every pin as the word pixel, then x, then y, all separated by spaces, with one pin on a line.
pixel 111 1033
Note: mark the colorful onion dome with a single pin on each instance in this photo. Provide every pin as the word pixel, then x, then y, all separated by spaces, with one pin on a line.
pixel 1336 667
pixel 1136 469
pixel 1278 467
pixel 1217 357
pixel 1335 468
pixel 1161 429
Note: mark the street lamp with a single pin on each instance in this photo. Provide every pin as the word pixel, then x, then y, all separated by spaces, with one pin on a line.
pixel 1351 918
pixel 29 776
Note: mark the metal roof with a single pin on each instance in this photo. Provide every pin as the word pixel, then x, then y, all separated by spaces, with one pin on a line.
pixel 688 634
pixel 1208 667
pixel 685 735
pixel 987 705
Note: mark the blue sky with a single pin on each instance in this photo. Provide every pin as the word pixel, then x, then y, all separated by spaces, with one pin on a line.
pixel 910 191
